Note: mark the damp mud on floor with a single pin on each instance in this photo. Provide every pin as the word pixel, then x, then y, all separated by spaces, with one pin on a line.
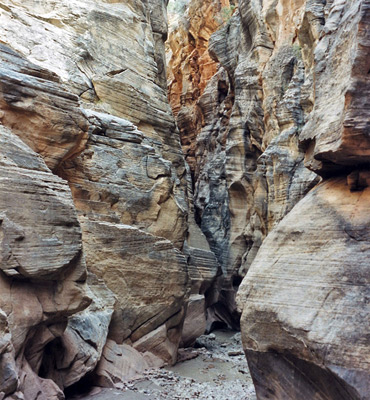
pixel 215 369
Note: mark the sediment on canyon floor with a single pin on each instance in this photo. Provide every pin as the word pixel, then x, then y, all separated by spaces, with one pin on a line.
pixel 139 208
pixel 215 369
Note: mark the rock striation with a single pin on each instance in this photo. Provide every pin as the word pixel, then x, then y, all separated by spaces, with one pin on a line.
pixel 94 203
pixel 124 236
pixel 303 298
pixel 43 271
pixel 249 162
pixel 190 67
pixel 280 160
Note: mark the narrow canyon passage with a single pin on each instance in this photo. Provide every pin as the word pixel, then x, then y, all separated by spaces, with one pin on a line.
pixel 184 199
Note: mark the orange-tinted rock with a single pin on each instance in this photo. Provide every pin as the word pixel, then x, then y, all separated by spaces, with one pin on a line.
pixel 191 67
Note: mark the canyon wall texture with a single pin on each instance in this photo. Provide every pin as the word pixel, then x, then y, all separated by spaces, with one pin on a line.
pixel 124 237
pixel 279 151
pixel 95 209
pixel 248 161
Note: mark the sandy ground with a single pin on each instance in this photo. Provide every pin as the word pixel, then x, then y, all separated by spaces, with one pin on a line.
pixel 215 370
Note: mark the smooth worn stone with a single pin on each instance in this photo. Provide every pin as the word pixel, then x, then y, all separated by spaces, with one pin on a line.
pixel 37 107
pixel 45 241
pixel 43 269
pixel 304 299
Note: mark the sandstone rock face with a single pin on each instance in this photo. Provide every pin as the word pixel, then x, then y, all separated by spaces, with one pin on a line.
pixel 244 152
pixel 340 137
pixel 92 174
pixel 305 299
pixel 83 84
pixel 43 268
pixel 290 95
pixel 190 67
pixel 39 110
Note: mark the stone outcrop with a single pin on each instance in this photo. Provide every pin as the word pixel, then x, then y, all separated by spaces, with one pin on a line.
pixel 39 109
pixel 248 163
pixel 286 109
pixel 337 131
pixel 190 67
pixel 42 267
pixel 118 245
pixel 304 297
pixel 103 185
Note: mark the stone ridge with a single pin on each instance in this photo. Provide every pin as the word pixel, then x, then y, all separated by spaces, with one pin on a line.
pixel 190 67
pixel 94 210
pixel 289 100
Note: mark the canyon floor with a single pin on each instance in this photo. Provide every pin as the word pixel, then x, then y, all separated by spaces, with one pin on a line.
pixel 215 369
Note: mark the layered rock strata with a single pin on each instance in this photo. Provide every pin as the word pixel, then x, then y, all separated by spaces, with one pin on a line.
pixel 304 297
pixel 248 162
pixel 103 184
pixel 43 270
pixel 288 103
pixel 190 67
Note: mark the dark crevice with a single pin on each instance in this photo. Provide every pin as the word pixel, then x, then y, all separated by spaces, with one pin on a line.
pixel 82 387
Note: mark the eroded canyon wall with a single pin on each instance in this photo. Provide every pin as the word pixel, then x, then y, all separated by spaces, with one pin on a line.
pixel 246 158
pixel 94 197
pixel 304 297
pixel 114 240
pixel 287 111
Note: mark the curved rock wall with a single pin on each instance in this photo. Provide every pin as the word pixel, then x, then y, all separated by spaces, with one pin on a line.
pixel 304 296
pixel 249 170
pixel 111 252
pixel 94 210
pixel 286 112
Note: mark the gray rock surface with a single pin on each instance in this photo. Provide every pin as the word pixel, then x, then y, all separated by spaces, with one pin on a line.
pixel 290 92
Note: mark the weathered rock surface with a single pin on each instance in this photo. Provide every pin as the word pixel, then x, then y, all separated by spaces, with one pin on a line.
pixel 43 269
pixel 337 131
pixel 92 174
pixel 247 160
pixel 79 349
pixel 306 296
pixel 195 323
pixel 45 115
pixel 133 263
pixel 84 85
pixel 190 67
pixel 31 197
pixel 119 364
pixel 290 92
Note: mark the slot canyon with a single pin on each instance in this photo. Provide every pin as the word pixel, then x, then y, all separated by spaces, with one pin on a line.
pixel 185 199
